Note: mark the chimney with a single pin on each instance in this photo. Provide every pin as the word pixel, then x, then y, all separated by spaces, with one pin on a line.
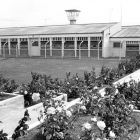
pixel 72 15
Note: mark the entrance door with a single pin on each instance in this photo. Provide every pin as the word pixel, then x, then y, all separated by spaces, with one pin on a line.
pixel 35 48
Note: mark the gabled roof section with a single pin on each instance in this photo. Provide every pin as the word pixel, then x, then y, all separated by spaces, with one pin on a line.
pixel 128 32
pixel 56 29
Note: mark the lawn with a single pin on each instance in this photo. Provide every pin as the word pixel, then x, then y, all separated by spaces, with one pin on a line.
pixel 20 68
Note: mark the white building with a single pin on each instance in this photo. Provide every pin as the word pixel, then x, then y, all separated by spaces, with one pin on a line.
pixel 73 40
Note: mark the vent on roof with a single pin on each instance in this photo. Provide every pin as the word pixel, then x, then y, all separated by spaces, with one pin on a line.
pixel 72 15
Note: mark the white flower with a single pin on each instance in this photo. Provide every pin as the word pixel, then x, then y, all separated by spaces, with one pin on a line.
pixel 61 135
pixel 116 91
pixel 51 110
pixel 59 109
pixel 36 97
pixel 68 113
pixel 86 126
pixel 83 108
pixel 71 109
pixel 105 139
pixel 131 106
pixel 76 78
pixel 101 125
pixel 94 119
pixel 56 103
pixel 48 137
pixel 95 87
pixel 139 138
pixel 98 139
pixel 112 134
pixel 25 92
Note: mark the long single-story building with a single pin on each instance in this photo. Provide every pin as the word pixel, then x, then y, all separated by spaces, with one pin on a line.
pixel 73 40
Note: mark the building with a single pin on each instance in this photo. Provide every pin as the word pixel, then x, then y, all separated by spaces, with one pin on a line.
pixel 73 40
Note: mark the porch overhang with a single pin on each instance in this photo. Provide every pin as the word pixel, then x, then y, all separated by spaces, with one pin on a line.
pixel 120 39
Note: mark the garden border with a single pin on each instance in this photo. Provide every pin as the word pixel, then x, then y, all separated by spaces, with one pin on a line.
pixel 17 99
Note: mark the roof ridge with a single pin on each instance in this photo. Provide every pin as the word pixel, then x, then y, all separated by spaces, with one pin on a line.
pixel 56 25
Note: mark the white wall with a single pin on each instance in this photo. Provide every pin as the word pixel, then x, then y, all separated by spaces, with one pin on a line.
pixel 107 49
pixel 115 52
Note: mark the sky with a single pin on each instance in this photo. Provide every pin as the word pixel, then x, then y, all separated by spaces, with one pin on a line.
pixel 20 13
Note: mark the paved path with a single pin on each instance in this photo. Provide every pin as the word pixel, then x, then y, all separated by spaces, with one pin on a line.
pixel 10 117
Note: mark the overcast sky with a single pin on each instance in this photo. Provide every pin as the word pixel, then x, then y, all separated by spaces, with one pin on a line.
pixel 18 13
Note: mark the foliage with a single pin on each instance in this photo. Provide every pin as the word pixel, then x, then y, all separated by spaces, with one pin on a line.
pixel 56 122
pixel 3 136
pixel 114 110
pixel 21 129
pixel 6 85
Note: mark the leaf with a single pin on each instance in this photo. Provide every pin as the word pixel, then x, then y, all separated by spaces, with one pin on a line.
pixel 1 132
pixel 5 134
pixel 21 133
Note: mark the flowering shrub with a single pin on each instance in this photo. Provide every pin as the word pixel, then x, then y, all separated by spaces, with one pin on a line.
pixel 131 91
pixel 112 115
pixel 3 136
pixel 56 121
pixel 21 129
pixel 6 85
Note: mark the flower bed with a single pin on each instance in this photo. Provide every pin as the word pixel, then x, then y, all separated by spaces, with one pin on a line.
pixel 35 133
pixel 15 100
pixel 5 96
pixel 6 85
pixel 39 107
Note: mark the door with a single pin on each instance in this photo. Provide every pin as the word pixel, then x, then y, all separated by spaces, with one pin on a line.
pixel 35 48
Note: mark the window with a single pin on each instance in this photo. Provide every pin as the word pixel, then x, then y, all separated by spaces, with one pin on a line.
pixel 13 40
pixel 23 39
pixel 35 43
pixel 4 40
pixel 132 47
pixel 117 44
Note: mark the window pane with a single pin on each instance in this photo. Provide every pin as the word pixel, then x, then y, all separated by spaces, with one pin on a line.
pixel 117 45
pixel 35 43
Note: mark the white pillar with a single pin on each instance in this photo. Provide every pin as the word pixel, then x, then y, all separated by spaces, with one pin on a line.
pixel 62 49
pixel 39 44
pixel 124 48
pixel 50 46
pixel 0 47
pixel 75 46
pixel 9 46
pixel 18 46
pixel 88 46
pixel 139 47
pixel 29 47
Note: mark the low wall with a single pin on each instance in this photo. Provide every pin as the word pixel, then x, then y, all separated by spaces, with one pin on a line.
pixel 39 107
pixel 67 104
pixel 135 75
pixel 16 101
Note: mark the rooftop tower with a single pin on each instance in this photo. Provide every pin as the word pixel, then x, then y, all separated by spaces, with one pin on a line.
pixel 72 15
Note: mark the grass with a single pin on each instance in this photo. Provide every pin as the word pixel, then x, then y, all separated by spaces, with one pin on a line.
pixel 20 68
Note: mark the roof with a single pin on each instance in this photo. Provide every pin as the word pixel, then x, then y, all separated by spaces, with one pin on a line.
pixel 56 29
pixel 128 32
pixel 72 10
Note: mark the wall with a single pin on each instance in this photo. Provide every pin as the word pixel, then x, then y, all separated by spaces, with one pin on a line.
pixel 106 49
pixel 14 102
pixel 115 52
